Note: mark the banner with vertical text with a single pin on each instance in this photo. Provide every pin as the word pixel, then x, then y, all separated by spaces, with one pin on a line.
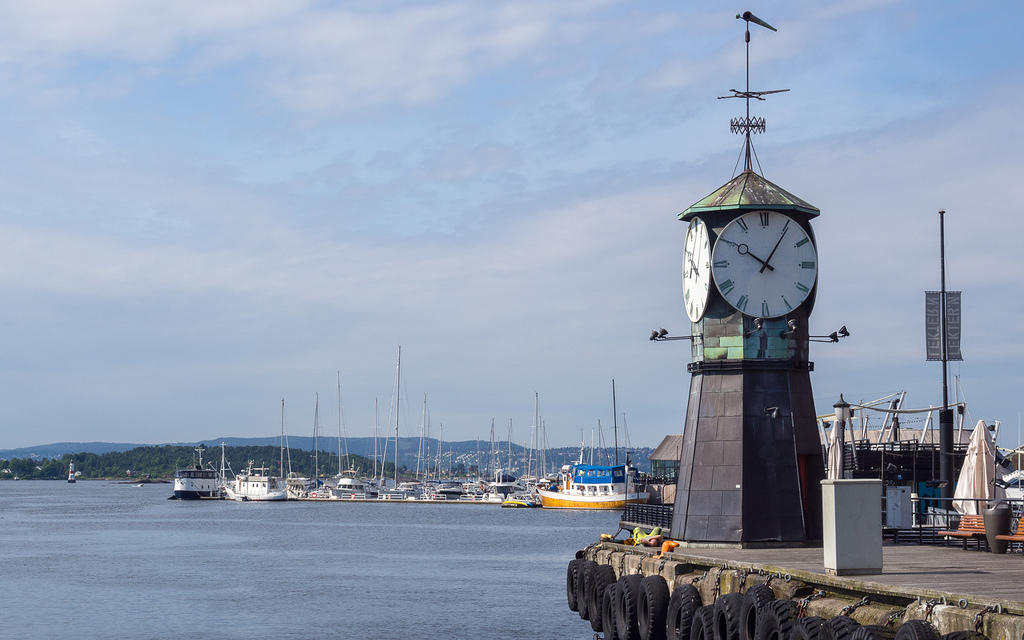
pixel 933 325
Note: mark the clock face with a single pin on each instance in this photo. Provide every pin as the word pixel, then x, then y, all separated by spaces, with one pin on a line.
pixel 764 264
pixel 696 269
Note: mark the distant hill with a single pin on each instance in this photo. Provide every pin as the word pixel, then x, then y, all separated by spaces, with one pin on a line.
pixel 58 449
pixel 468 452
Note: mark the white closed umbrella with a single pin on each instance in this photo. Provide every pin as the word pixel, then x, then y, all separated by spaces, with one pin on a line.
pixel 835 471
pixel 978 474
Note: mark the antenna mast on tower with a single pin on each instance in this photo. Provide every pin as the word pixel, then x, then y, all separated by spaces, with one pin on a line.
pixel 748 125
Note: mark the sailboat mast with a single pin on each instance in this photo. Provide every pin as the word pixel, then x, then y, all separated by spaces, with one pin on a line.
pixel 491 467
pixel 341 431
pixel 280 465
pixel 423 428
pixel 440 448
pixel 376 422
pixel 510 445
pixel 316 436
pixel 544 447
pixel 398 404
pixel 534 462
pixel 426 449
pixel 615 423
pixel 287 447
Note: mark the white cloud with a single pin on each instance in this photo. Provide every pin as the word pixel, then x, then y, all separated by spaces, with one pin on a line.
pixel 311 57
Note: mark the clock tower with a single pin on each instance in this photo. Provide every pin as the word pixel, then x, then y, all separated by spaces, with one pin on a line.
pixel 751 464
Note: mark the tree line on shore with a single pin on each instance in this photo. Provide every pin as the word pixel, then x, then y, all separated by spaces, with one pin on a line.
pixel 162 461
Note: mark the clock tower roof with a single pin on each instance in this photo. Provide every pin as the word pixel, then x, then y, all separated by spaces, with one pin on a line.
pixel 749 191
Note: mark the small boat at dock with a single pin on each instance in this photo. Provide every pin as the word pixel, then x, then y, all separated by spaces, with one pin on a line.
pixel 351 487
pixel 255 485
pixel 197 483
pixel 521 501
pixel 588 486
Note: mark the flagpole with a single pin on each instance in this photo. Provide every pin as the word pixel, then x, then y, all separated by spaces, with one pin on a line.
pixel 945 414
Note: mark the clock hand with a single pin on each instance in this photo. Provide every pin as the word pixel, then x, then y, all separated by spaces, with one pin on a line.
pixel 744 250
pixel 693 266
pixel 784 227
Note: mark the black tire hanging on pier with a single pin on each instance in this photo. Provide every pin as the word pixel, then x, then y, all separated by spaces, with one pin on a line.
pixel 811 628
pixel 841 628
pixel 652 608
pixel 727 616
pixel 703 625
pixel 964 635
pixel 756 597
pixel 626 609
pixel 873 632
pixel 584 574
pixel 775 620
pixel 681 606
pixel 608 605
pixel 918 630
pixel 570 585
pixel 601 577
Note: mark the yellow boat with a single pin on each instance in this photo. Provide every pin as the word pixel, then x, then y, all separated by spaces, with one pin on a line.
pixel 519 503
pixel 588 486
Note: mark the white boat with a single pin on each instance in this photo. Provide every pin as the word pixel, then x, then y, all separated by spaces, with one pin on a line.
pixel 299 487
pixel 256 486
pixel 351 487
pixel 197 483
pixel 411 490
pixel 503 486
pixel 1014 482
pixel 449 491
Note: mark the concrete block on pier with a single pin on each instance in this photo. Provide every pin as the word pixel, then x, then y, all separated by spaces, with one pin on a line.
pixel 852 528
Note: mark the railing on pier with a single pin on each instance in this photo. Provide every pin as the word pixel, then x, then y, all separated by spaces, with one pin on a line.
pixel 929 516
pixel 648 515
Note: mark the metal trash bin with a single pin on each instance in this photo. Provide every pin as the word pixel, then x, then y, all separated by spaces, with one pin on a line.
pixel 997 522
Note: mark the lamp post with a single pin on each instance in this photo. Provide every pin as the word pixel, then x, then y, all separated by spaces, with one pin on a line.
pixel 843 414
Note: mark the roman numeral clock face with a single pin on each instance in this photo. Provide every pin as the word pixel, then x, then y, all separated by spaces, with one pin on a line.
pixel 696 269
pixel 764 264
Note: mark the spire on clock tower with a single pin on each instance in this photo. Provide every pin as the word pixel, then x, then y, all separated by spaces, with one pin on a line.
pixel 748 125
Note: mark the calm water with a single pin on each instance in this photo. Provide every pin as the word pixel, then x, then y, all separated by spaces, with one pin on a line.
pixel 97 560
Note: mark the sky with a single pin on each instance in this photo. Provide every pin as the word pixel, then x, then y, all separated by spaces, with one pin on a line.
pixel 208 207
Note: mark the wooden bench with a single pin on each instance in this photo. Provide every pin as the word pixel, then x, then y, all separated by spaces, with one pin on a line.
pixel 971 527
pixel 1017 536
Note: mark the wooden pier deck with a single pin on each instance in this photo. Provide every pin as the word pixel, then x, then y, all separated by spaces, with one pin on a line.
pixel 925 571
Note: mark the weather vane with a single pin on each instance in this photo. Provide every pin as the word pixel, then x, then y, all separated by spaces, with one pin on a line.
pixel 748 125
